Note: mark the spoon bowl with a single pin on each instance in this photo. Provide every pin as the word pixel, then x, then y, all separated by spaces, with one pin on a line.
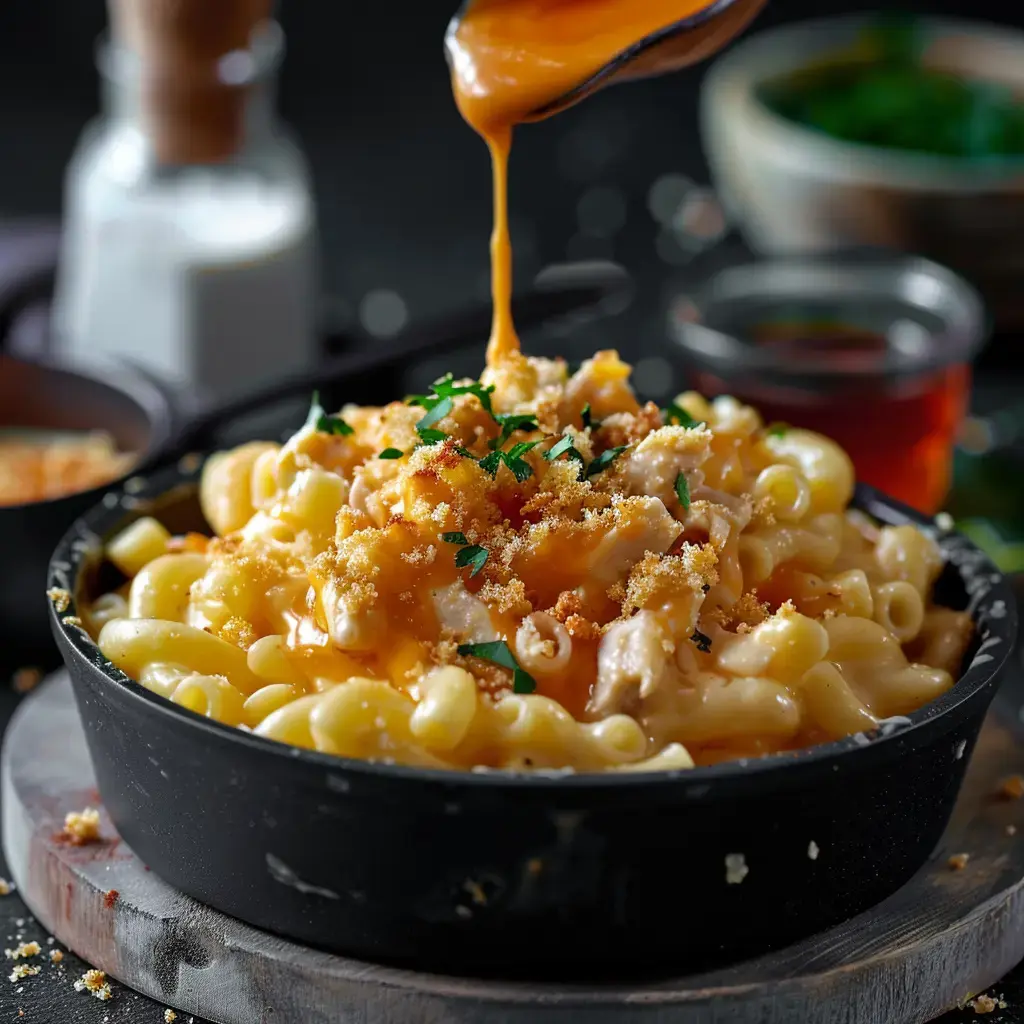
pixel 677 45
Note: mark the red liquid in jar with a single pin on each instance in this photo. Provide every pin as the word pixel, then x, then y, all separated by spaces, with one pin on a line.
pixel 900 433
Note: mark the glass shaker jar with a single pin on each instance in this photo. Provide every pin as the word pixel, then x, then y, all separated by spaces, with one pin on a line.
pixel 189 244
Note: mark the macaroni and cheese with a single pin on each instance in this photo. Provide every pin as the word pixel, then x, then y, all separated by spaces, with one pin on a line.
pixel 535 571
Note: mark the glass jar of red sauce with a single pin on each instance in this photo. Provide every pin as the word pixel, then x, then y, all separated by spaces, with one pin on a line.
pixel 873 350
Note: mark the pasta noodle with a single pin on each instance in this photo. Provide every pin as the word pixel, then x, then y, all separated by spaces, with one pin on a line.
pixel 535 571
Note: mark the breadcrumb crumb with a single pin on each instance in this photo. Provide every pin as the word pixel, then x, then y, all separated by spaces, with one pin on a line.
pixel 95 983
pixel 25 679
pixel 170 1016
pixel 5 887
pixel 983 1004
pixel 23 971
pixel 82 827
pixel 26 949
pixel 60 597
pixel 1012 788
pixel 56 956
pixel 735 868
pixel 958 861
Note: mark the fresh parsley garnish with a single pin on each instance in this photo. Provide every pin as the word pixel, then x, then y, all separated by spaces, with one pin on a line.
pixel 430 436
pixel 319 420
pixel 587 417
pixel 683 490
pixel 445 389
pixel 513 459
pixel 454 538
pixel 510 423
pixel 436 412
pixel 474 555
pixel 677 414
pixel 497 652
pixel 702 640
pixel 605 459
pixel 390 453
pixel 778 430
pixel 565 446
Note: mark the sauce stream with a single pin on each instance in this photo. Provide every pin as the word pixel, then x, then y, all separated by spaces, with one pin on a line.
pixel 512 58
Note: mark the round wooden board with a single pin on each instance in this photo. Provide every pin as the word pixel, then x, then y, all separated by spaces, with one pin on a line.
pixel 947 934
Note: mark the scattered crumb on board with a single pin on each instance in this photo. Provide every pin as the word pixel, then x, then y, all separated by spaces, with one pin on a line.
pixel 25 679
pixel 82 827
pixel 958 861
pixel 170 1016
pixel 22 971
pixel 60 597
pixel 22 952
pixel 56 956
pixel 5 887
pixel 110 898
pixel 1012 788
pixel 735 868
pixel 987 1004
pixel 95 983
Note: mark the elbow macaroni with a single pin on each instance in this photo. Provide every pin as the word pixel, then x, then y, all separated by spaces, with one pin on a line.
pixel 618 593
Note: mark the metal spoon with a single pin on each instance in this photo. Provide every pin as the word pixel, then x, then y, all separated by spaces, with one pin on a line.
pixel 680 44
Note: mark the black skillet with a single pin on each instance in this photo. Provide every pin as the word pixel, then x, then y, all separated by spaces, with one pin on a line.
pixel 592 877
pixel 141 416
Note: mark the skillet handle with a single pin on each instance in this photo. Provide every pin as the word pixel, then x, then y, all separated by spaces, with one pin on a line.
pixel 573 291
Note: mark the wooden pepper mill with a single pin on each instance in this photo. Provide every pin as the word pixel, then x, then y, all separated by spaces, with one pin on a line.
pixel 193 56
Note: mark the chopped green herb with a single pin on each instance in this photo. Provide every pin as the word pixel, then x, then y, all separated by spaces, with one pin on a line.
pixel 319 420
pixel 587 417
pixel 677 414
pixel 430 436
pixel 444 390
pixel 465 453
pixel 566 446
pixel 473 555
pixel 605 459
pixel 509 424
pixel 702 640
pixel 778 430
pixel 513 459
pixel 497 652
pixel 683 490
pixel 437 412
pixel 454 538
pixel 390 453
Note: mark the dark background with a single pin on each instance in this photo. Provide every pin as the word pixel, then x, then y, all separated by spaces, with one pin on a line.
pixel 402 184
pixel 403 189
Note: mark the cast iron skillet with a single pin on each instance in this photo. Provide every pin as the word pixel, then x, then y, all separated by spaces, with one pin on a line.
pixel 550 876
pixel 140 414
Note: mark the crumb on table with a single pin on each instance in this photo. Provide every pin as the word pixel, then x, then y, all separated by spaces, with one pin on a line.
pixel 958 861
pixel 5 887
pixel 82 827
pixel 170 1016
pixel 22 952
pixel 983 1004
pixel 25 679
pixel 1012 788
pixel 22 971
pixel 94 982
pixel 60 597
pixel 56 956
pixel 110 898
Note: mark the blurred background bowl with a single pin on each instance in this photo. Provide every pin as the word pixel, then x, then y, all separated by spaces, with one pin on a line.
pixel 794 189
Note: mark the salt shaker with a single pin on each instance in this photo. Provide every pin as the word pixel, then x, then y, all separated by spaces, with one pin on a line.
pixel 189 243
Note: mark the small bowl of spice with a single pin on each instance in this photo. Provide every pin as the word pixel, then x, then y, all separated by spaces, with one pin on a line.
pixel 906 133
pixel 65 434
